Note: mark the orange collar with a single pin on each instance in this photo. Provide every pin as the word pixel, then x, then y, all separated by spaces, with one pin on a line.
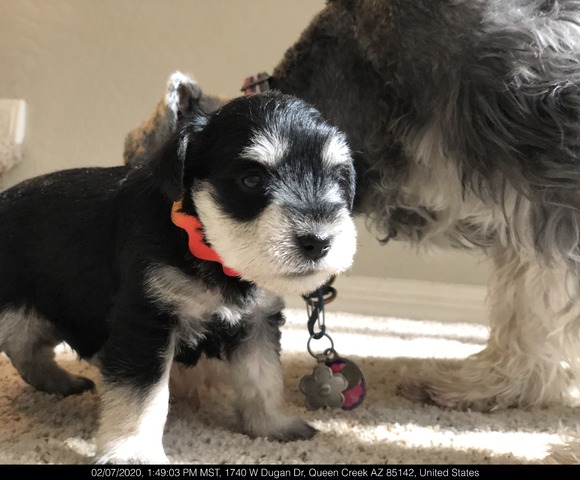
pixel 197 245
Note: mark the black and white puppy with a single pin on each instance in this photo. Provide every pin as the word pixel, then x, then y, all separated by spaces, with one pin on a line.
pixel 137 267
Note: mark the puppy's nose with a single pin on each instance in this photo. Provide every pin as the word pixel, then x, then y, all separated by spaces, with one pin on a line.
pixel 313 246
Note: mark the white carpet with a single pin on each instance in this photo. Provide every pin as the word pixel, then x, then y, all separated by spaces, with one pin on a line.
pixel 41 428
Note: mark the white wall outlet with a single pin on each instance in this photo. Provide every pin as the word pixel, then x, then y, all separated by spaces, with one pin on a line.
pixel 12 126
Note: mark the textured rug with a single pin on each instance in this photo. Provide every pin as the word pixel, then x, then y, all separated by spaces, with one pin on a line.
pixel 37 428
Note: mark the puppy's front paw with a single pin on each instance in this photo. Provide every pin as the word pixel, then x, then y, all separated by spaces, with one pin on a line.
pixel 131 450
pixel 295 429
pixel 112 458
pixel 283 429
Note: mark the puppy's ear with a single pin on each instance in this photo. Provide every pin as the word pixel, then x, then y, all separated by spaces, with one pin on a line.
pixel 168 164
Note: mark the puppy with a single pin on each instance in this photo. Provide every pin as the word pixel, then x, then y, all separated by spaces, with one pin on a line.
pixel 182 256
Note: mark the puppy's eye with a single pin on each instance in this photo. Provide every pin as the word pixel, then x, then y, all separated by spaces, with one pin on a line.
pixel 253 180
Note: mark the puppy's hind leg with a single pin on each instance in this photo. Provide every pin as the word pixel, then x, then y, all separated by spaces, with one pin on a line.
pixel 257 379
pixel 29 342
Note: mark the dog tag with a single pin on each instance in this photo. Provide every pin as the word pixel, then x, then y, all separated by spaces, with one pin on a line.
pixel 355 391
pixel 335 382
pixel 324 387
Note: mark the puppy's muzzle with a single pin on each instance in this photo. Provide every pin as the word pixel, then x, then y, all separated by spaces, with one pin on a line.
pixel 314 247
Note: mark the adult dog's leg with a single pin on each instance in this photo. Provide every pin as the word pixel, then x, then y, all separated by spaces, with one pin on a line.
pixel 257 379
pixel 531 358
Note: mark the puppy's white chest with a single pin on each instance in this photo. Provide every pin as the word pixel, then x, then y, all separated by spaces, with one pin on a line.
pixel 186 297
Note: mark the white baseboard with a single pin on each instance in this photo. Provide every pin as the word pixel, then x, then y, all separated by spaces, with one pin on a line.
pixel 402 298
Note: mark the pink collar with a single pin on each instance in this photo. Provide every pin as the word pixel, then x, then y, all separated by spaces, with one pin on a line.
pixel 197 245
pixel 258 83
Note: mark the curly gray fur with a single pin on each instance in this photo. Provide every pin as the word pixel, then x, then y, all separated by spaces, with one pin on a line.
pixel 497 79
pixel 464 120
pixel 493 82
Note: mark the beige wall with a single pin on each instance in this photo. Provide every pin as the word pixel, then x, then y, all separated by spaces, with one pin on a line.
pixel 91 70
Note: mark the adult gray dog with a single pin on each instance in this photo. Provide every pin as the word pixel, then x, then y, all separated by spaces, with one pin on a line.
pixel 465 118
